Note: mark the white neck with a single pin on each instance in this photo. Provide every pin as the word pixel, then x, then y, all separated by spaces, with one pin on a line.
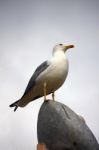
pixel 59 54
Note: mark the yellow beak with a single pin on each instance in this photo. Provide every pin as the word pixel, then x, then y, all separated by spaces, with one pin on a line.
pixel 69 46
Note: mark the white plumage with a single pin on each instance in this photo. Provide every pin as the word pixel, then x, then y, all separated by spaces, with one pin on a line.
pixel 47 78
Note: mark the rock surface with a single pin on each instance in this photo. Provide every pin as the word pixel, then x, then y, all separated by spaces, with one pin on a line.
pixel 60 128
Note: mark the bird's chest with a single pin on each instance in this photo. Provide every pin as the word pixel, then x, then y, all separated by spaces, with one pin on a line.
pixel 57 73
pixel 59 70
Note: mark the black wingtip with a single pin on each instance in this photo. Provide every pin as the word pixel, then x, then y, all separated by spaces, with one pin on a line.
pixel 15 108
pixel 11 105
pixel 15 104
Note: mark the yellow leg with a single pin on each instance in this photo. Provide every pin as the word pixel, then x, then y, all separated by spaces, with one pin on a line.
pixel 45 91
pixel 53 96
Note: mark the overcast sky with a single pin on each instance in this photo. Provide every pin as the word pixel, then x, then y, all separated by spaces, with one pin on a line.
pixel 28 31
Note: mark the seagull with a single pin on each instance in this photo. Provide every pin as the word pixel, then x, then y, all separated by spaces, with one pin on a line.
pixel 47 78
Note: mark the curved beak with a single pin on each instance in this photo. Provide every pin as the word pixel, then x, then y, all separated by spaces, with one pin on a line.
pixel 68 46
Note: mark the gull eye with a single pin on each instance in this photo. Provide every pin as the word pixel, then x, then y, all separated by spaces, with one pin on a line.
pixel 60 44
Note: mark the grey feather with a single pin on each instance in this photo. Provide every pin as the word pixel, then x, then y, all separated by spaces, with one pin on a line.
pixel 37 72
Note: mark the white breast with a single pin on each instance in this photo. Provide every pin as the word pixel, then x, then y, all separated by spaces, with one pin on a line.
pixel 55 74
pixel 59 71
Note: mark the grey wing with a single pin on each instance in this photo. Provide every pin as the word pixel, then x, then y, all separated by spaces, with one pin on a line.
pixel 37 72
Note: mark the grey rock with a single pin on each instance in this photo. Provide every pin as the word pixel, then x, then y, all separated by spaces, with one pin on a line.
pixel 60 128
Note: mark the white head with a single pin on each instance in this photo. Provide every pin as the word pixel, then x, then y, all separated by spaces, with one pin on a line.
pixel 62 48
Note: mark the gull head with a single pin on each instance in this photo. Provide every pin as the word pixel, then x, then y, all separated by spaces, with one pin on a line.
pixel 62 47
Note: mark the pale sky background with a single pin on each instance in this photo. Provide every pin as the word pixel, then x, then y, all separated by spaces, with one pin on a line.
pixel 28 31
